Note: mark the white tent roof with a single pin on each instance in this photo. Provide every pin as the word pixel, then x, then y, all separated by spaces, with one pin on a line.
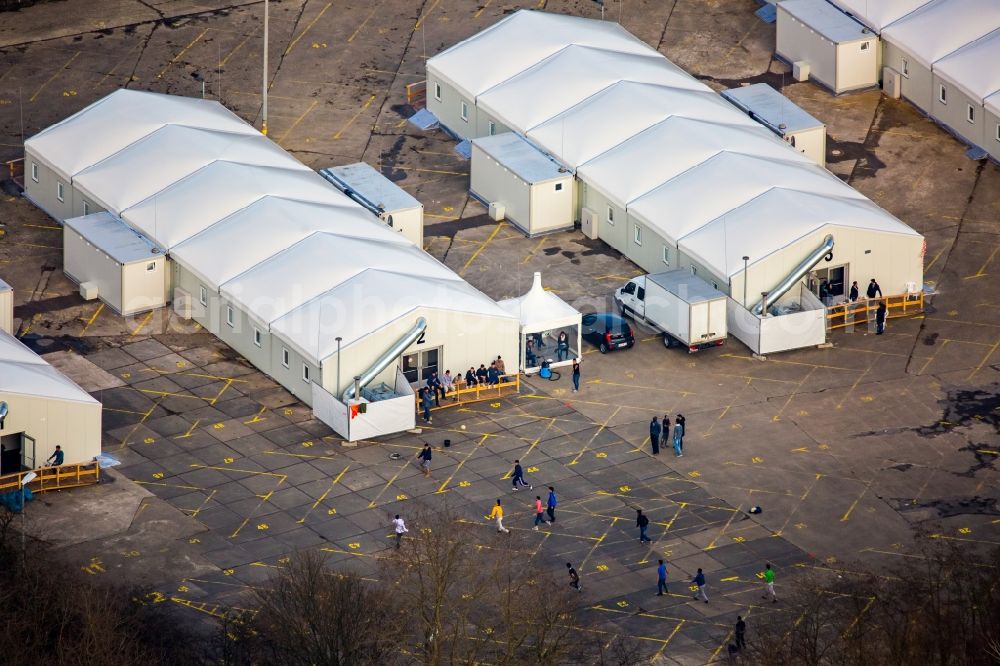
pixel 265 228
pixel 877 14
pixel 975 68
pixel 541 310
pixel 305 270
pixel 694 198
pixel 370 300
pixel 573 75
pixel 677 144
pixel 942 26
pixel 521 40
pixel 992 103
pixel 781 216
pixel 173 152
pixel 583 132
pixel 220 189
pixel 121 118
pixel 25 373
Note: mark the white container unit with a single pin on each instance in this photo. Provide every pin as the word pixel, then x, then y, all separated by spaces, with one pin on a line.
pixel 128 270
pixel 686 309
pixel 382 197
pixel 534 191
pixel 780 115
pixel 840 53
pixel 6 308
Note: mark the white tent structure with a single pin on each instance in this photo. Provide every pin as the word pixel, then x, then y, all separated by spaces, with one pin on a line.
pixel 642 137
pixel 880 13
pixel 298 278
pixel 543 313
pixel 45 409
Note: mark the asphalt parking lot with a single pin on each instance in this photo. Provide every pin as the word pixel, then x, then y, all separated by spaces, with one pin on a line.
pixel 848 450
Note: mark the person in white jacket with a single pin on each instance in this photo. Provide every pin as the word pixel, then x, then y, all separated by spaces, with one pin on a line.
pixel 400 528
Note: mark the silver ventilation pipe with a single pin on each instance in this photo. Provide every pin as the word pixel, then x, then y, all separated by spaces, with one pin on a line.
pixel 390 355
pixel 797 274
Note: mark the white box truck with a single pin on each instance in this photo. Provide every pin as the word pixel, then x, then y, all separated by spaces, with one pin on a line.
pixel 686 309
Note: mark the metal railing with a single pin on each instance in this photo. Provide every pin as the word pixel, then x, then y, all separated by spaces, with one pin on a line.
pixel 861 311
pixel 464 395
pixel 54 478
pixel 15 169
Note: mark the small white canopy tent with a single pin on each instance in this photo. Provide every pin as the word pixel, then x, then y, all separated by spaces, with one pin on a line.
pixel 543 313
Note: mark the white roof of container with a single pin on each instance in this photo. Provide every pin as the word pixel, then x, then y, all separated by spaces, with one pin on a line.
pixel 787 215
pixel 265 228
pixel 23 372
pixel 526 161
pixel 677 144
pixel 975 68
pixel 689 287
pixel 584 131
pixel 120 241
pixel 877 14
pixel 123 117
pixel 307 269
pixel 521 40
pixel 218 190
pixel 168 155
pixel 943 26
pixel 695 197
pixel 827 20
pixel 771 108
pixel 368 183
pixel 573 75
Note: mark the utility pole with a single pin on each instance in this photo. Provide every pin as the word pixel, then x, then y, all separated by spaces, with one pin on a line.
pixel 263 122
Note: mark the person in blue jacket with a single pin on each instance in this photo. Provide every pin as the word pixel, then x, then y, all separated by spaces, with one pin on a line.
pixel 551 505
pixel 699 580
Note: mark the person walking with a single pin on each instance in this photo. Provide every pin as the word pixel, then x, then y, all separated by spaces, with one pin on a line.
pixel 574 578
pixel 679 436
pixel 576 375
pixel 427 402
pixel 855 292
pixel 769 584
pixel 665 432
pixel 56 458
pixel 539 513
pixel 880 315
pixel 400 527
pixel 654 435
pixel 874 289
pixel 425 459
pixel 699 580
pixel 518 477
pixel 661 579
pixel 497 515
pixel 739 633
pixel 642 522
pixel 562 346
pixel 550 505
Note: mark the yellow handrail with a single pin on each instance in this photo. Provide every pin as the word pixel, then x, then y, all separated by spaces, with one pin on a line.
pixel 54 478
pixel 463 396
pixel 852 314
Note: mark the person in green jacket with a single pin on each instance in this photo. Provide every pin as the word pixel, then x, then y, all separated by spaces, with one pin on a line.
pixel 769 583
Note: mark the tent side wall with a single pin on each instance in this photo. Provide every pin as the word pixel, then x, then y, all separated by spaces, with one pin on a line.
pixel 75 426
pixel 448 108
pixel 41 186
pixel 612 233
pixel 648 252
pixel 916 83
pixel 490 181
pixel 797 41
pixel 483 120
pixel 991 134
pixel 206 314
pixel 952 113
pixel 85 262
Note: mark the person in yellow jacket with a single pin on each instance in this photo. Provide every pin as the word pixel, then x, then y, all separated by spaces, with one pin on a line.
pixel 497 515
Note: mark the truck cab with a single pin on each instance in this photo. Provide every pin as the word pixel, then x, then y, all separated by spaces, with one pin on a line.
pixel 631 298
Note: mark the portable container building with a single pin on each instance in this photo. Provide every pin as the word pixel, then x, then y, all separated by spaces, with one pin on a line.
pixel 382 197
pixel 780 115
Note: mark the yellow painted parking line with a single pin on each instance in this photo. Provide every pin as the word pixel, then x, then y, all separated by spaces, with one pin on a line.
pixel 92 318
pixel 725 527
pixel 44 226
pixel 983 362
pixel 419 170
pixel 375 6
pixel 52 78
pixel 420 21
pixel 195 512
pixel 597 432
pixel 482 9
pixel 322 497
pixel 482 247
pixel 654 616
pixel 142 324
pixel 298 120
pixel 182 52
pixel 854 504
pixel 189 430
pixel 222 63
pixel 307 28
pixel 444 486
pixel 350 122
pixel 374 502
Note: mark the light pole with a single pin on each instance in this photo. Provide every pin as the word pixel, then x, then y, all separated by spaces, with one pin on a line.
pixel 745 260
pixel 338 365
pixel 263 122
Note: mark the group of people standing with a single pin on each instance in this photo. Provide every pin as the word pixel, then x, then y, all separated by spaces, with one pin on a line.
pixel 536 343
pixel 659 434
pixel 438 388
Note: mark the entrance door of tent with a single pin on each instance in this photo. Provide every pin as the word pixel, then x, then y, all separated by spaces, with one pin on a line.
pixel 836 279
pixel 10 453
pixel 28 452
pixel 418 366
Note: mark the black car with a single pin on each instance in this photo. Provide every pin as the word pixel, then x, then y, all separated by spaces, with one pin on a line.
pixel 607 331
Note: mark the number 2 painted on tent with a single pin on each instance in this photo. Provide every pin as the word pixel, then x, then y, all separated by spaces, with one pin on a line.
pixel 420 340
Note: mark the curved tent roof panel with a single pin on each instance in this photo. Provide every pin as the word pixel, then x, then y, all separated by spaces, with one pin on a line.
pixel 124 117
pixel 675 145
pixel 694 198
pixel 877 14
pixel 586 130
pixel 169 154
pixel 943 26
pixel 266 227
pixel 776 219
pixel 521 40
pixel 220 189
pixel 573 75
pixel 24 372
pixel 992 103
pixel 975 68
